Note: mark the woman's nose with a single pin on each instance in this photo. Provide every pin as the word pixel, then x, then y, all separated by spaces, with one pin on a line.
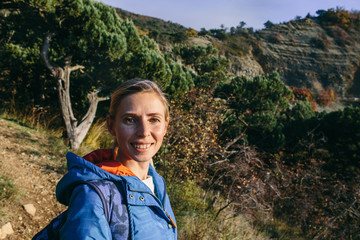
pixel 143 129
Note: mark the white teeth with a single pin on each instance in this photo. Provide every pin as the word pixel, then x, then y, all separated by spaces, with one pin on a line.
pixel 144 146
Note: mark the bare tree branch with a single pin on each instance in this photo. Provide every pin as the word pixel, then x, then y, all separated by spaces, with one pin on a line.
pixel 75 132
pixel 317 234
pixel 229 144
pixel 44 53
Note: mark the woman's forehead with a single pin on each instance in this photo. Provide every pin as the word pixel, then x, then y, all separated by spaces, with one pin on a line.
pixel 141 101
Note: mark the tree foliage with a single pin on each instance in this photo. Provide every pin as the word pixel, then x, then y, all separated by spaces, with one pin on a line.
pixel 22 75
pixel 224 34
pixel 338 16
pixel 257 106
pixel 342 132
pixel 210 67
pixel 268 24
pixel 87 33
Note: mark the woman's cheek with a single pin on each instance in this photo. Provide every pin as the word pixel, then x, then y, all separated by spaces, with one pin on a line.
pixel 125 129
pixel 162 131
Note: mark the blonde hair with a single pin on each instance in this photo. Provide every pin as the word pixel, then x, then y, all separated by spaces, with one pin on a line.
pixel 135 86
pixel 131 87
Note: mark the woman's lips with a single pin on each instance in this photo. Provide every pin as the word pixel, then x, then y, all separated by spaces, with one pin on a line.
pixel 141 147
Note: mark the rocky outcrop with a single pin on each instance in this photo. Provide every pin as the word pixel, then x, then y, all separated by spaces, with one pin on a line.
pixel 246 65
pixel 309 55
pixel 305 53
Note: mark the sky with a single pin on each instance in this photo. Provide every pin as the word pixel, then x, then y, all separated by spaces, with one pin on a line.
pixel 212 14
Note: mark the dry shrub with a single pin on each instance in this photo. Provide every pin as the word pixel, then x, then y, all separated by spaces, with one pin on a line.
pixel 341 37
pixel 328 96
pixel 244 179
pixel 286 199
pixel 321 42
pixel 191 146
pixel 192 141
pixel 305 199
pixel 304 94
pixel 191 32
pixel 276 38
pixel 324 207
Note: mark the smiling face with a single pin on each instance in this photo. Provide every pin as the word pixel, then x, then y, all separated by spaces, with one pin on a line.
pixel 139 126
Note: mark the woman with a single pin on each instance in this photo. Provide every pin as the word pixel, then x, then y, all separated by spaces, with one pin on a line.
pixel 140 207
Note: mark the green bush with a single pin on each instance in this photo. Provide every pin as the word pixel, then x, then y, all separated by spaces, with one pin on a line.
pixel 342 132
pixel 257 104
pixel 299 125
pixel 210 67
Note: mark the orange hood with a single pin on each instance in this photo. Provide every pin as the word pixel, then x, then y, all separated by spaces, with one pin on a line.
pixel 104 158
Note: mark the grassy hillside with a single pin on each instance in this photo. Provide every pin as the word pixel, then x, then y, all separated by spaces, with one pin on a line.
pixel 156 28
pixel 31 163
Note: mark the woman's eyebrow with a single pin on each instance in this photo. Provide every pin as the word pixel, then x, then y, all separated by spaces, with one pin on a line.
pixel 149 114
pixel 128 114
pixel 154 114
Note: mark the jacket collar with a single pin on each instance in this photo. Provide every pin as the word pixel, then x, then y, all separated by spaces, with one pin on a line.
pixel 104 158
pixel 83 170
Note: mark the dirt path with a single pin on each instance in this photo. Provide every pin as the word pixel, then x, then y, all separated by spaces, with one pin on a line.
pixel 26 161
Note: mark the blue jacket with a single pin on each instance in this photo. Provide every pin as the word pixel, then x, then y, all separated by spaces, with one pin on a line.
pixel 148 216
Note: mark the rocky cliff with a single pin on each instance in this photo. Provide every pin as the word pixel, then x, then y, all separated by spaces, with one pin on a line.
pixel 307 54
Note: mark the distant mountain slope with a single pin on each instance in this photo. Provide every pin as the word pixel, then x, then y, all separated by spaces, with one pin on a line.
pixel 155 28
pixel 307 54
pixel 315 52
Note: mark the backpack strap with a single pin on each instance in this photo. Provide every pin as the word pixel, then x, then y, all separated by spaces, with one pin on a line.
pixel 116 209
pixel 120 187
pixel 102 197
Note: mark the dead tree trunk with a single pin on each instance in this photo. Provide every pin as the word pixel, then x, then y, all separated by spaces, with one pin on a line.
pixel 76 131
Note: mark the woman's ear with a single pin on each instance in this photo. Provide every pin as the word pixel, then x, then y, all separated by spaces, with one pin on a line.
pixel 110 124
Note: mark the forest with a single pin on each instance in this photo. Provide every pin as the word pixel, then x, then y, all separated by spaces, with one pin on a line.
pixel 247 146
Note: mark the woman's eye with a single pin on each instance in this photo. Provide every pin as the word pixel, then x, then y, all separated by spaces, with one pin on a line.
pixel 129 120
pixel 154 120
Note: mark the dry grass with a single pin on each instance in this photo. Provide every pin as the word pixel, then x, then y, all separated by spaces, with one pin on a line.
pixel 37 118
pixel 226 226
pixel 97 137
pixel 199 216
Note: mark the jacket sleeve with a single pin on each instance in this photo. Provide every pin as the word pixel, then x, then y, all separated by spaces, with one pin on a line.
pixel 86 216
